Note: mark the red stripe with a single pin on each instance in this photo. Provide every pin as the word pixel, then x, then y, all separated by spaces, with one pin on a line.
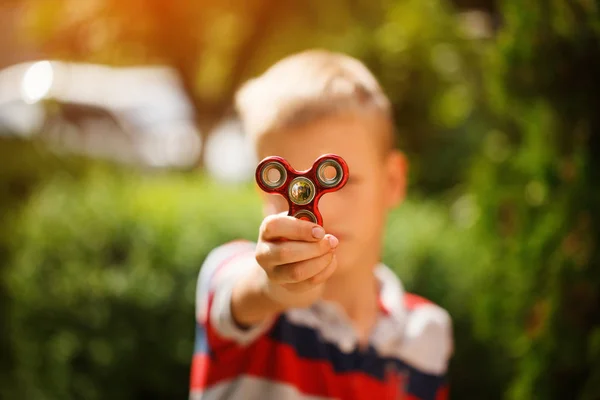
pixel 278 362
pixel 319 382
pixel 271 360
pixel 382 307
pixel 198 371
pixel 443 393
pixel 412 301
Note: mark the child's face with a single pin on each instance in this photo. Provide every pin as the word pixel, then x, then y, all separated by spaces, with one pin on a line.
pixel 356 213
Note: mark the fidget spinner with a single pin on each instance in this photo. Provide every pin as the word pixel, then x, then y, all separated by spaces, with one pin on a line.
pixel 302 189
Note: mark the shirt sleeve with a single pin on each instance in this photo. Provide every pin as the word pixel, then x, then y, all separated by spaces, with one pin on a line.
pixel 223 267
pixel 428 347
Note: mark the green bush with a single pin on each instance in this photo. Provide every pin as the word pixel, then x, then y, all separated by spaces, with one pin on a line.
pixel 434 250
pixel 25 165
pixel 102 283
pixel 430 67
pixel 536 185
pixel 98 268
pixel 104 270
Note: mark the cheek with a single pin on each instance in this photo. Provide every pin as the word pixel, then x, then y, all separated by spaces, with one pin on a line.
pixel 360 200
pixel 369 201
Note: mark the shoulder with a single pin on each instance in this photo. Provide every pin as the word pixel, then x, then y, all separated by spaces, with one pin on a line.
pixel 215 267
pixel 223 254
pixel 409 307
pixel 428 339
pixel 224 251
pixel 425 319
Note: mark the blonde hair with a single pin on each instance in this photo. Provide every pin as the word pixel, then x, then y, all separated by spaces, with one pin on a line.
pixel 309 85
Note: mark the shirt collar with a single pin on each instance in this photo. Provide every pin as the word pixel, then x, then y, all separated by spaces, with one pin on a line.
pixel 391 293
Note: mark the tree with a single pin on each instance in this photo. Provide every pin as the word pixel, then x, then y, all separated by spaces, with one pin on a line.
pixel 539 198
pixel 213 46
pixel 209 44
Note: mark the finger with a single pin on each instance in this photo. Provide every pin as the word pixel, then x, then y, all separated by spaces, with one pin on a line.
pixel 286 227
pixel 273 254
pixel 301 271
pixel 326 273
pixel 314 281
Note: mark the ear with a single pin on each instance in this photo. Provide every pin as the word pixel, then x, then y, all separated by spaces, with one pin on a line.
pixel 397 169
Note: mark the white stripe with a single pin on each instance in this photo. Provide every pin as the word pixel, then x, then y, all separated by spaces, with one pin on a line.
pixel 423 339
pixel 392 292
pixel 330 327
pixel 250 388
pixel 207 270
pixel 220 313
pixel 330 322
pixel 427 343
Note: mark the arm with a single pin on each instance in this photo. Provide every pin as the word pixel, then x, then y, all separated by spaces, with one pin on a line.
pixel 284 273
pixel 242 287
pixel 250 303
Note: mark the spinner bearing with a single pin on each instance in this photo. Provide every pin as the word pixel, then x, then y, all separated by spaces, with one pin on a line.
pixel 302 189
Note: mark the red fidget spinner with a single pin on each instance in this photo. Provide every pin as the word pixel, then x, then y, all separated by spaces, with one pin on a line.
pixel 302 189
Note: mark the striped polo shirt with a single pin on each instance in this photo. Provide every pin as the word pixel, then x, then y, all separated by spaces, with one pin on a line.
pixel 313 353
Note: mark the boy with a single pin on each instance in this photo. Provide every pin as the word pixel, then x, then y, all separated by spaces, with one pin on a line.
pixel 317 315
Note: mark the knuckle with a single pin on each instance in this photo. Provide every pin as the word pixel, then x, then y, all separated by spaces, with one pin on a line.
pixel 260 257
pixel 327 259
pixel 296 273
pixel 304 230
pixel 283 253
pixel 263 254
pixel 271 275
pixel 321 277
pixel 268 226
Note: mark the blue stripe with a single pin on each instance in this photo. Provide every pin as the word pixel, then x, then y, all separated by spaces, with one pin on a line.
pixel 308 344
pixel 424 386
pixel 201 340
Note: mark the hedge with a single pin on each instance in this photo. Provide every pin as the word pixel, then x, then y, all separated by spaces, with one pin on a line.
pixel 103 271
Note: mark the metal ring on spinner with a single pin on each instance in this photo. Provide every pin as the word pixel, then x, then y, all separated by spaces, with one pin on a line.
pixel 339 173
pixel 282 175
pixel 298 183
pixel 306 213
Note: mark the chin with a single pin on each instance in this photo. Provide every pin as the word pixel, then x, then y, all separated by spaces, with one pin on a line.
pixel 351 255
pixel 344 260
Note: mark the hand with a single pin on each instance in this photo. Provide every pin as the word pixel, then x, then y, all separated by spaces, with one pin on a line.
pixel 297 258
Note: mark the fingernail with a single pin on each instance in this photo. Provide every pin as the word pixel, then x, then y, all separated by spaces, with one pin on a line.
pixel 318 232
pixel 333 242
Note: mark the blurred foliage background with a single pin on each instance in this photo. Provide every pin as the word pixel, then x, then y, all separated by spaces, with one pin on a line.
pixel 497 109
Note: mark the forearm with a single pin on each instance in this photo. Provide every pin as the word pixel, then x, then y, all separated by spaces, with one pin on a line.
pixel 251 303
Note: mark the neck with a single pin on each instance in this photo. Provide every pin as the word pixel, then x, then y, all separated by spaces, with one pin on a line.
pixel 356 292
